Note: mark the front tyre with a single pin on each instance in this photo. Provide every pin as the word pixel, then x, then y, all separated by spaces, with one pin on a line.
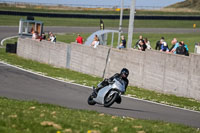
pixel 110 99
pixel 91 101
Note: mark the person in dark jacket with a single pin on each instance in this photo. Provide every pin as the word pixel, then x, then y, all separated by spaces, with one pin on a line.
pixel 121 76
pixel 181 50
pixel 137 43
pixel 142 46
pixel 159 43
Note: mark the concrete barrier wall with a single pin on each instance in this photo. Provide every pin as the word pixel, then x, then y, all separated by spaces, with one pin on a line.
pixel 88 60
pixel 176 74
pixel 44 51
pixel 131 59
pixel 194 77
pixel 154 70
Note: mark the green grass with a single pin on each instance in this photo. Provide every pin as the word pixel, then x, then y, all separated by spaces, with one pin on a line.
pixel 182 102
pixel 9 20
pixel 88 80
pixel 33 117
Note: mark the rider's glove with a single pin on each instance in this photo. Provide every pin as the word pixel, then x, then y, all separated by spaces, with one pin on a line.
pixel 106 80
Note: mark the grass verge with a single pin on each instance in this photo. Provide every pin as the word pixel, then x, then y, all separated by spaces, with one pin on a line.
pixel 84 79
pixel 25 116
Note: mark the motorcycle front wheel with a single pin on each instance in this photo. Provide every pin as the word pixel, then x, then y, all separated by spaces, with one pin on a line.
pixel 110 99
pixel 91 101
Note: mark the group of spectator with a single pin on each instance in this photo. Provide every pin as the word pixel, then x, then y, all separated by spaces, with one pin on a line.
pixel 51 36
pixel 141 44
pixel 161 45
pixel 94 43
pixel 176 48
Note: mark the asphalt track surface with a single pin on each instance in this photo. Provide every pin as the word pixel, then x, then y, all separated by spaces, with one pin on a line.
pixel 7 31
pixel 19 84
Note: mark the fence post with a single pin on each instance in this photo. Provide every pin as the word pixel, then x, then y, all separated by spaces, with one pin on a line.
pixel 106 62
pixel 69 47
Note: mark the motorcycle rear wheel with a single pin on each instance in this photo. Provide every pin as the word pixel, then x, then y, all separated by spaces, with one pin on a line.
pixel 108 101
pixel 91 101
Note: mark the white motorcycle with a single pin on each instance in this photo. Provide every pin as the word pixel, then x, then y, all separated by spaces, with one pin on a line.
pixel 108 94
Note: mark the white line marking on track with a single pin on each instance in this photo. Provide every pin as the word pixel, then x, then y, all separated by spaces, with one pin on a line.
pixel 91 88
pixel 6 39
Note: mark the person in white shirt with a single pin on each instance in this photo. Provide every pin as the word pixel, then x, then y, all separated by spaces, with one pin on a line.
pixel 52 37
pixel 35 35
pixel 147 42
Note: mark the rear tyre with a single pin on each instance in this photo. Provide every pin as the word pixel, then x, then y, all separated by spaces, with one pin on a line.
pixel 91 101
pixel 109 100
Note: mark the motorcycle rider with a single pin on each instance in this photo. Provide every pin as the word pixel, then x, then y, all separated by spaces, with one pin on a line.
pixel 121 76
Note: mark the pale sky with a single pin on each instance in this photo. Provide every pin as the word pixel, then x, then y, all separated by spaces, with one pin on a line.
pixel 154 3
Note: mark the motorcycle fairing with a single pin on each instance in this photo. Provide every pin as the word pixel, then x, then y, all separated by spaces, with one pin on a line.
pixel 101 94
pixel 119 85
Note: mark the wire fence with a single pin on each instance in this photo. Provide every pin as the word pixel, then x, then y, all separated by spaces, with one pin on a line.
pixel 77 5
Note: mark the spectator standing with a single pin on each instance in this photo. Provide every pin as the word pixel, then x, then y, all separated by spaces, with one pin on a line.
pixel 137 43
pixel 147 42
pixel 79 39
pixel 158 44
pixel 123 43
